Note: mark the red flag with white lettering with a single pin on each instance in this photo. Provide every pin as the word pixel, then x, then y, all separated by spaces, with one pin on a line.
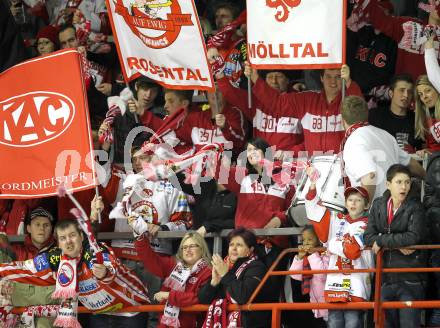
pixel 161 39
pixel 296 34
pixel 45 135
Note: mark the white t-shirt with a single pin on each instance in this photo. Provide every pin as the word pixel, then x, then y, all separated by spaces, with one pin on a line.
pixel 370 149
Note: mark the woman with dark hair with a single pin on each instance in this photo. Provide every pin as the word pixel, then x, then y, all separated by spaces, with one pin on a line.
pixel 233 280
pixel 259 189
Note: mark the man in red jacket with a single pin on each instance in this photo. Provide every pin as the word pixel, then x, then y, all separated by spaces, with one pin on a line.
pixel 319 112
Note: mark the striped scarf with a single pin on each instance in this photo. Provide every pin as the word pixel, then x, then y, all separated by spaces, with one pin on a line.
pixel 306 278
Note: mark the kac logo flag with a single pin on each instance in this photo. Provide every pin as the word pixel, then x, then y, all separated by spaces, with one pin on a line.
pixel 162 40
pixel 45 136
pixel 296 34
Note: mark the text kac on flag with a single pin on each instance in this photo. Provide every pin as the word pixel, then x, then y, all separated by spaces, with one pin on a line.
pixel 45 135
pixel 296 34
pixel 162 40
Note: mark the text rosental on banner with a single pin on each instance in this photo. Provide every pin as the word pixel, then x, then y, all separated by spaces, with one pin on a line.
pixel 309 34
pixel 162 40
pixel 43 117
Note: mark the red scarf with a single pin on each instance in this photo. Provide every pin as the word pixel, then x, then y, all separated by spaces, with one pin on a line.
pixel 217 315
pixel 348 133
pixel 390 210
pixel 306 278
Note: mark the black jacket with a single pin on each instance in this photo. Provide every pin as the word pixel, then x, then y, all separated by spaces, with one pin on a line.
pixel 215 210
pixel 371 57
pixel 407 228
pixel 431 200
pixel 11 42
pixel 241 290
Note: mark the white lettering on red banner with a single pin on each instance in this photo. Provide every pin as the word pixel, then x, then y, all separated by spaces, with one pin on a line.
pixel 43 115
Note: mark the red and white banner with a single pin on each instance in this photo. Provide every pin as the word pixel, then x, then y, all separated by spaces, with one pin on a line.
pixel 296 34
pixel 161 39
pixel 45 135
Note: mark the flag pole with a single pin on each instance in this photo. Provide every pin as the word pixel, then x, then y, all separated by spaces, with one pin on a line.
pixel 249 92
pixel 136 118
pixel 97 195
pixel 217 103
pixel 343 89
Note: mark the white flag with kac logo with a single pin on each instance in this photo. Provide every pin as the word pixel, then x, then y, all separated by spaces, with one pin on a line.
pixel 162 40
pixel 296 34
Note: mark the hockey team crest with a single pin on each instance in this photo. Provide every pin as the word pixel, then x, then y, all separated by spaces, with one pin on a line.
pixel 156 22
pixel 66 274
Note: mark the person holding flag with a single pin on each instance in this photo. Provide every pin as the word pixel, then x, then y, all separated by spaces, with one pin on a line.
pixel 77 276
pixel 187 127
pixel 319 112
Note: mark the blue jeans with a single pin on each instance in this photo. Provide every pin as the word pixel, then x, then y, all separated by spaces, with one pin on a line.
pixel 344 319
pixel 403 291
pixel 140 320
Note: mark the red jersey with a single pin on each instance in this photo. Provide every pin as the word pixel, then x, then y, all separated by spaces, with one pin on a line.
pixel 321 121
pixel 432 137
pixel 258 203
pixel 275 126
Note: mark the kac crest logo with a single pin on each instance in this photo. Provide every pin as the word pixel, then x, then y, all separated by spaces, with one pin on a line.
pixel 33 118
pixel 156 22
pixel 66 274
pixel 283 13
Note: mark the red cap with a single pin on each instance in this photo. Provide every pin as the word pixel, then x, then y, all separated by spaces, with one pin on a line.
pixel 48 32
pixel 361 190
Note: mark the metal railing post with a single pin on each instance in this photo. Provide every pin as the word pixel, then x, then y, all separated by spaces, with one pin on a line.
pixel 378 311
pixel 217 247
pixel 268 274
pixel 276 318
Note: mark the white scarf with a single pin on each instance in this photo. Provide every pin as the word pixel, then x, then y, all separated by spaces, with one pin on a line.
pixel 416 34
pixel 177 282
pixel 66 289
pixel 28 316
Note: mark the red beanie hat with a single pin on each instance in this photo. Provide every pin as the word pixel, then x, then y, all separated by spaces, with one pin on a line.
pixel 49 32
